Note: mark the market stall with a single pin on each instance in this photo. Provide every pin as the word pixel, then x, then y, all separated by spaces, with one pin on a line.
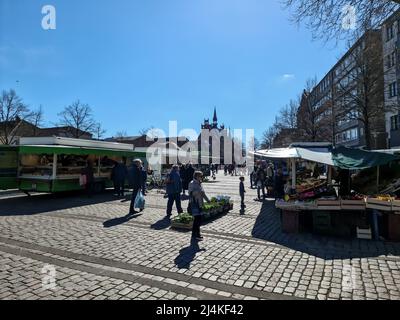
pixel 316 204
pixel 54 164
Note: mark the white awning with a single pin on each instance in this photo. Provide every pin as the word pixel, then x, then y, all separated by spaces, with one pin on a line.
pixel 320 155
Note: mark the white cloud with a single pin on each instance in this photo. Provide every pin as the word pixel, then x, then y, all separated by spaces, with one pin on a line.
pixel 288 76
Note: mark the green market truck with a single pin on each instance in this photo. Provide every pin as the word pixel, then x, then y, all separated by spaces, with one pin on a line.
pixel 54 164
pixel 8 167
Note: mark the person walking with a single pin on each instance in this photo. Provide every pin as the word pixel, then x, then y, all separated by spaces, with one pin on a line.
pixel 174 189
pixel 182 173
pixel 242 191
pixel 189 176
pixel 196 198
pixel 279 185
pixel 118 175
pixel 260 182
pixel 88 173
pixel 143 172
pixel 270 179
pixel 135 181
pixel 253 177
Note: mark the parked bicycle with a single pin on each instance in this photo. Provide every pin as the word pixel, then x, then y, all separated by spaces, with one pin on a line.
pixel 155 182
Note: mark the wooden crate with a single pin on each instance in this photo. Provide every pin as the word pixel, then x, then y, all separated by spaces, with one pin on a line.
pixel 353 204
pixel 328 204
pixel 290 221
pixel 182 226
pixel 373 203
pixel 396 205
pixel 394 226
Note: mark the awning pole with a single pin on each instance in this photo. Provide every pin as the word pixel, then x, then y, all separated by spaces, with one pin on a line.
pixel 329 174
pixel 293 164
pixel 377 178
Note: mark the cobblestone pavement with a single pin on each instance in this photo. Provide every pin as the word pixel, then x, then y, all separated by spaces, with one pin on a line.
pixel 92 251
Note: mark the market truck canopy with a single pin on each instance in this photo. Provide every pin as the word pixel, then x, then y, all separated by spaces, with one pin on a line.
pixel 43 149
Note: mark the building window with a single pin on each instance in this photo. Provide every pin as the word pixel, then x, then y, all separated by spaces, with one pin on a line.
pixel 348 135
pixel 394 123
pixel 393 90
pixel 391 60
pixel 389 32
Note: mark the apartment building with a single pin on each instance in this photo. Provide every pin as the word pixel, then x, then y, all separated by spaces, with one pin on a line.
pixel 391 45
pixel 347 103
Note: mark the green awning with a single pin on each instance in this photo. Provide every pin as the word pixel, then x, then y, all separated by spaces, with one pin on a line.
pixel 79 151
pixel 346 158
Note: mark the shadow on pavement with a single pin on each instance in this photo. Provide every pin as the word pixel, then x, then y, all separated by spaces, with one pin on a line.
pixel 268 227
pixel 164 223
pixel 121 220
pixel 187 255
pixel 42 203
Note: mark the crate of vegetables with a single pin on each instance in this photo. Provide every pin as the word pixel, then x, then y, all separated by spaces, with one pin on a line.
pixel 183 221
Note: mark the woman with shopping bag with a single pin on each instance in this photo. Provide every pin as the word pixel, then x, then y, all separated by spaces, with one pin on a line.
pixel 135 181
pixel 196 200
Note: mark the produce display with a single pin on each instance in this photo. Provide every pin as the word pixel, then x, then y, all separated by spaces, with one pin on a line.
pixel 217 206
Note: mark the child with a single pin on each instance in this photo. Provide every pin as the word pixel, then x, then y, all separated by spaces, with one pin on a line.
pixel 242 191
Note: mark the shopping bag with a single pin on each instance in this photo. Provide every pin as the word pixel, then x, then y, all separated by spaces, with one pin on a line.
pixel 139 200
pixel 82 180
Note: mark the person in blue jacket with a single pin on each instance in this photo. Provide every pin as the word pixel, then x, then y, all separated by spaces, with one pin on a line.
pixel 135 181
pixel 174 189
pixel 119 174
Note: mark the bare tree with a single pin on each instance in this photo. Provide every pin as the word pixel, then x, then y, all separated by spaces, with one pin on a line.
pixel 37 119
pixel 121 134
pixel 267 140
pixel 360 88
pixel 315 120
pixel 146 131
pixel 78 117
pixel 340 19
pixel 12 112
pixel 99 131
pixel 287 118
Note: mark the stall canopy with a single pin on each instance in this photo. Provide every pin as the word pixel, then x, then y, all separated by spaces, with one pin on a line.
pixel 320 155
pixel 347 158
pixel 342 157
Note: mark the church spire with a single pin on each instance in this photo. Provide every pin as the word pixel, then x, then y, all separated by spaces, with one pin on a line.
pixel 215 119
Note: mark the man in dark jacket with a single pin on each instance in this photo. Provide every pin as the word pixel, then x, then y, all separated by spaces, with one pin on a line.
pixel 119 175
pixel 182 173
pixel 260 182
pixel 135 181
pixel 279 185
pixel 189 175
pixel 88 172
pixel 174 189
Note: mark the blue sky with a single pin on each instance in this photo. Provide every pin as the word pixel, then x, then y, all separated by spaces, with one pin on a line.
pixel 143 63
